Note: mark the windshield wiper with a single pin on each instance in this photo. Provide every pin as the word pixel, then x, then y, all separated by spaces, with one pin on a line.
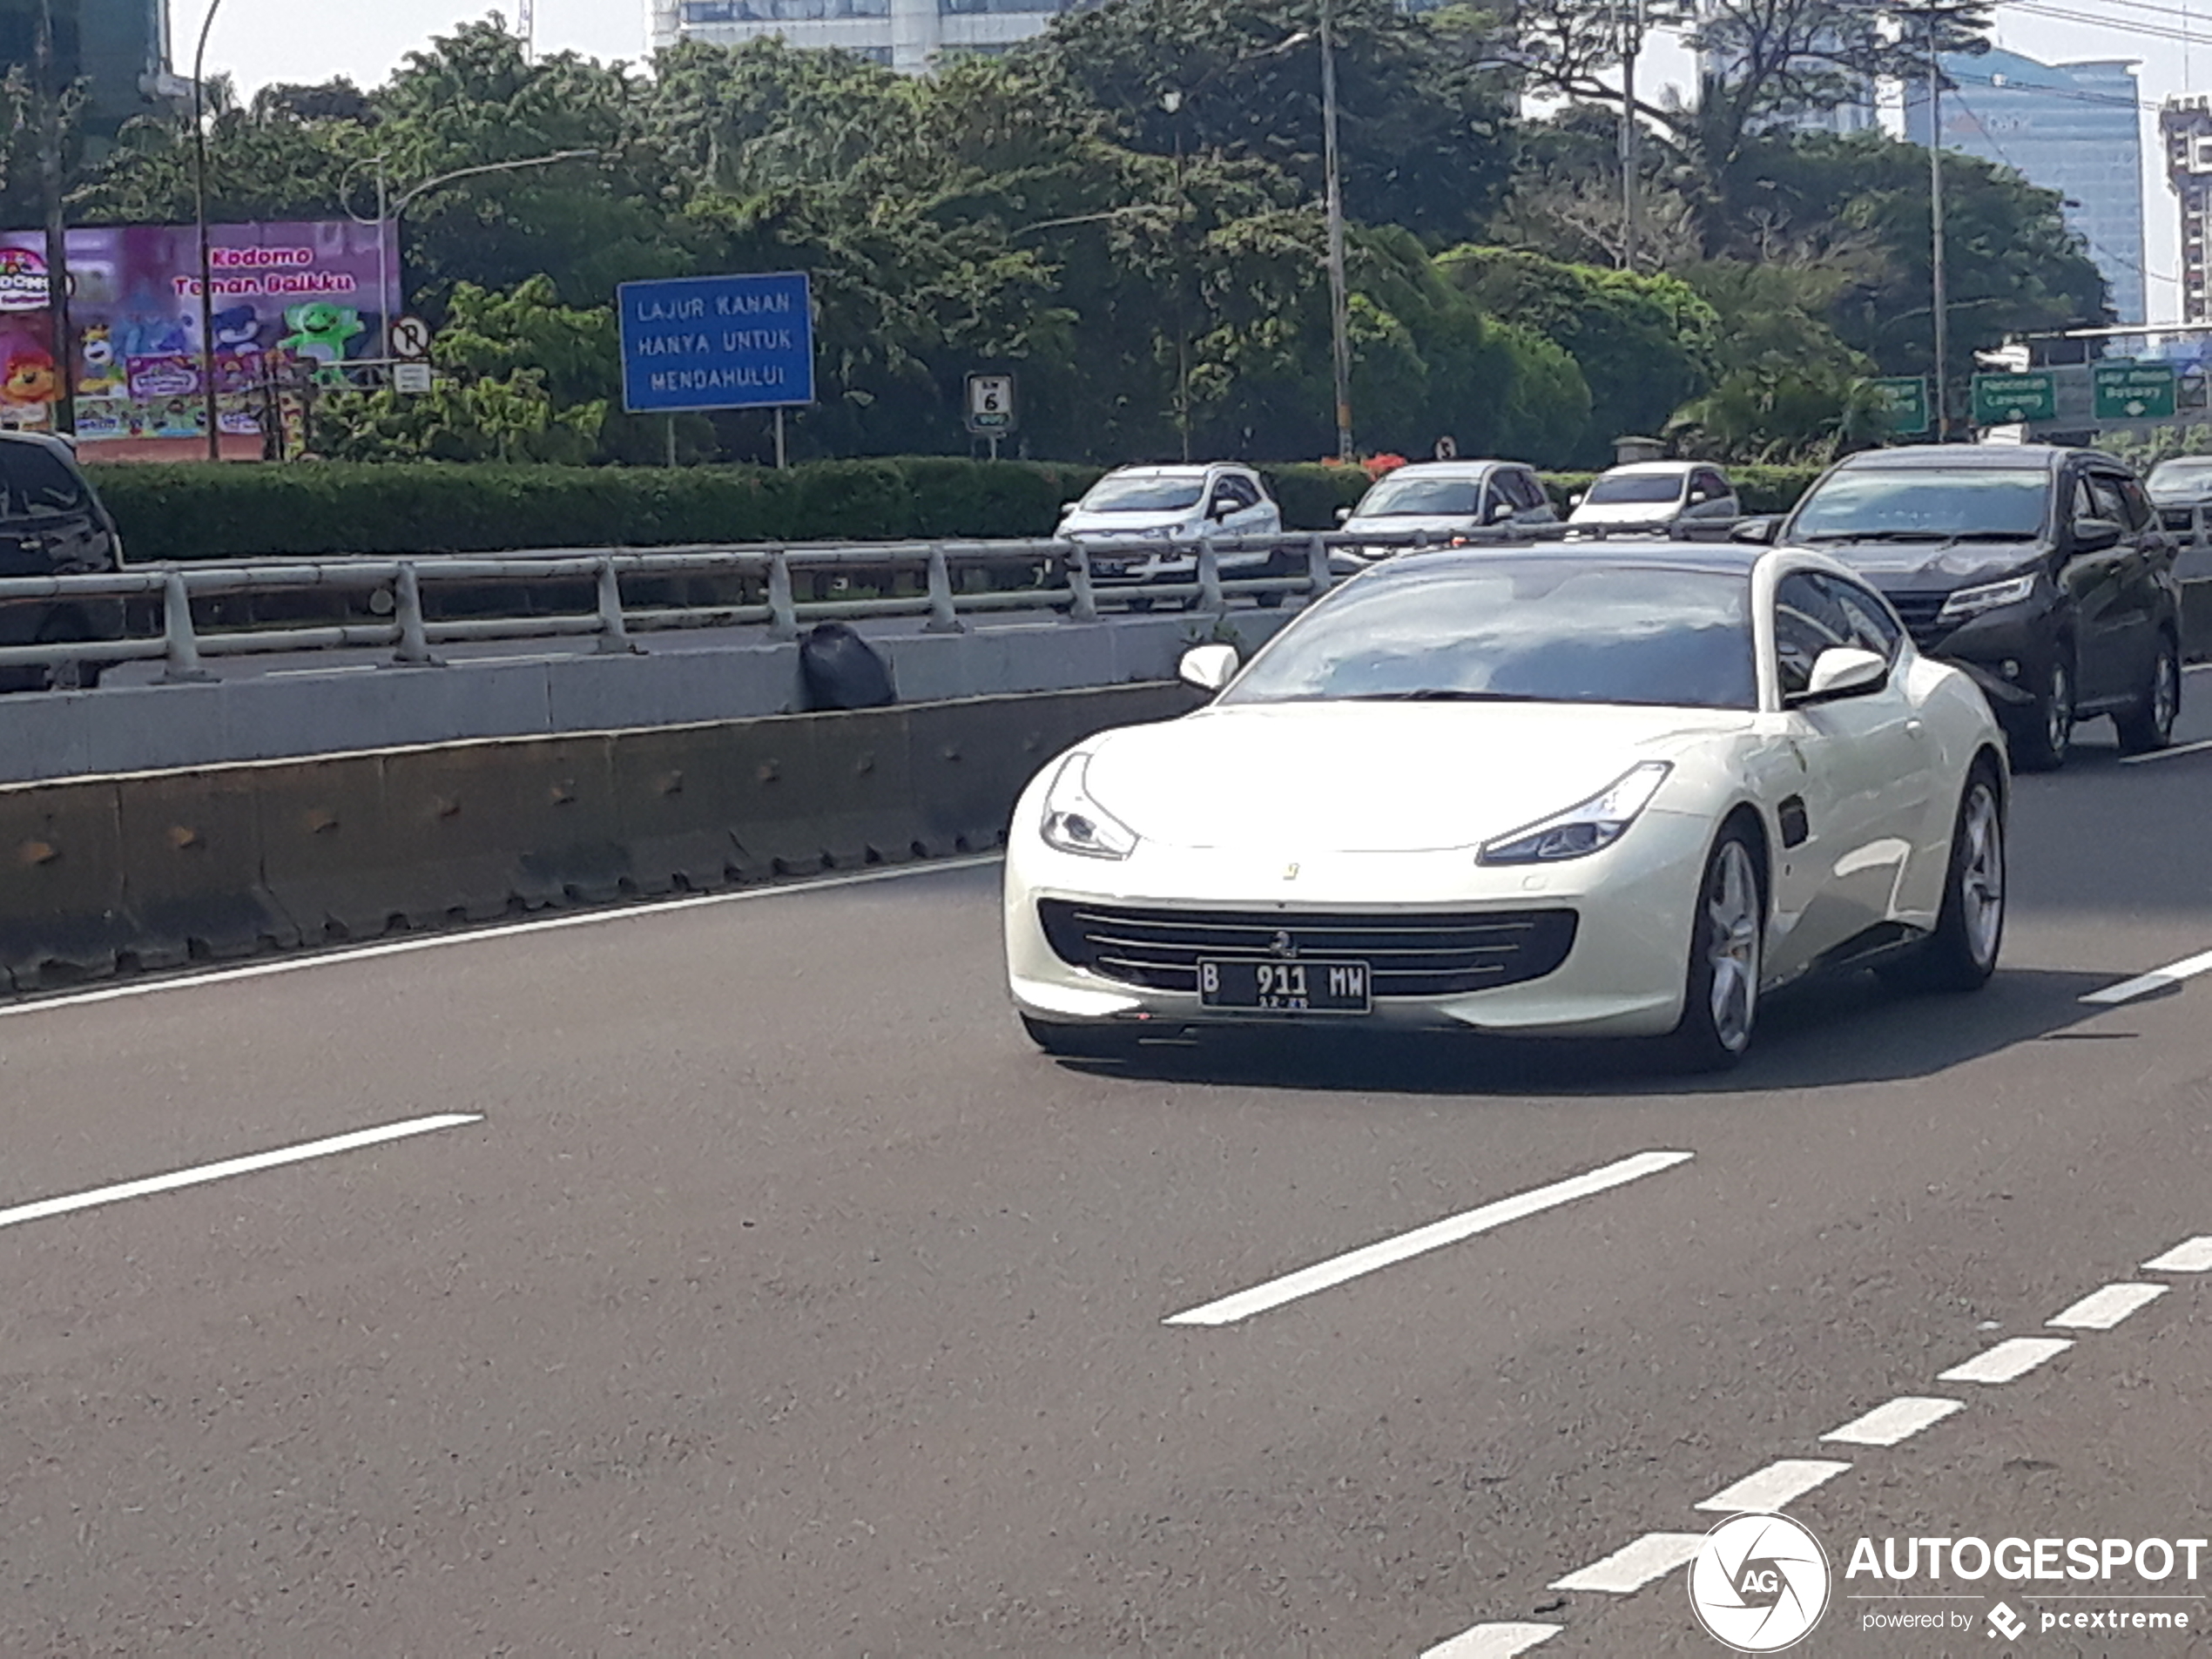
pixel 1434 694
pixel 1882 536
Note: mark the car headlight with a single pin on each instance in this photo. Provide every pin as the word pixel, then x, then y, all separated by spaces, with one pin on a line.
pixel 1990 596
pixel 1076 823
pixel 1583 828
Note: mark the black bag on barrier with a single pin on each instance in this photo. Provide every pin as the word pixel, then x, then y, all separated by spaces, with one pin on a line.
pixel 842 671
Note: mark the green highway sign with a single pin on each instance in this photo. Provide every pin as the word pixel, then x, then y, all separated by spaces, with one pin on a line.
pixel 1904 398
pixel 2008 399
pixel 2134 391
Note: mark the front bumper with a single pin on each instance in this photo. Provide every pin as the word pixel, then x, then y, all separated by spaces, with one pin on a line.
pixel 1623 974
pixel 2007 653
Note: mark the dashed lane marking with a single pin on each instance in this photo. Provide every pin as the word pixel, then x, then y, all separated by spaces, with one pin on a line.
pixel 2006 1361
pixel 1900 1419
pixel 1774 1487
pixel 1630 1567
pixel 2191 1256
pixel 298 1154
pixel 2173 753
pixel 2157 979
pixel 2102 1310
pixel 1386 1252
pixel 1494 1642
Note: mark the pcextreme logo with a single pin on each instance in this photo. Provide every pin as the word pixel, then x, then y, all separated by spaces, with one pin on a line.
pixel 1759 1583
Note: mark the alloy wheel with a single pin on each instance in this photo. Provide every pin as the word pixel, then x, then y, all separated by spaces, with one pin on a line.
pixel 1981 879
pixel 1732 950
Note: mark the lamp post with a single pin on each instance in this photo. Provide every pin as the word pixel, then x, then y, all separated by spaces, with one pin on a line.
pixel 1339 304
pixel 199 215
pixel 50 170
pixel 1942 299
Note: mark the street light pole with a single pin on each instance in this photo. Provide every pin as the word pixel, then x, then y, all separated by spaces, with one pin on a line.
pixel 1630 18
pixel 200 214
pixel 1940 295
pixel 49 169
pixel 1339 305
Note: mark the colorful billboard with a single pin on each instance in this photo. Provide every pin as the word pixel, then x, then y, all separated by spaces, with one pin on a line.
pixel 313 294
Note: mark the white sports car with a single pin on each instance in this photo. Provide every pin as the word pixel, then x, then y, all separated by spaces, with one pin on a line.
pixel 1610 790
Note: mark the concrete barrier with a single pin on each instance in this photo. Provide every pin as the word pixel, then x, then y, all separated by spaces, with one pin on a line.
pixel 158 869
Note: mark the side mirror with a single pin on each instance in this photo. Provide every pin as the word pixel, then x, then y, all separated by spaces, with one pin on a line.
pixel 1067 506
pixel 1501 512
pixel 1343 514
pixel 1759 530
pixel 1841 672
pixel 2094 535
pixel 1212 667
pixel 1574 500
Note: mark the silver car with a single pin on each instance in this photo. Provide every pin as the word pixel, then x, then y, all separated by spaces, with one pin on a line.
pixel 1441 502
pixel 1655 494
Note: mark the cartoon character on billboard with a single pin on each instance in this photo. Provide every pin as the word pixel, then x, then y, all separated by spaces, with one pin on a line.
pixel 237 329
pixel 30 381
pixel 100 372
pixel 320 331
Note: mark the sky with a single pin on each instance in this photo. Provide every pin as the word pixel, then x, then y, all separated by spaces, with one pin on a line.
pixel 260 41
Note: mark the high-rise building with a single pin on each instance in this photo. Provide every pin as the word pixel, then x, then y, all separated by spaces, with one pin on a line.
pixel 2075 128
pixel 118 48
pixel 2185 125
pixel 908 35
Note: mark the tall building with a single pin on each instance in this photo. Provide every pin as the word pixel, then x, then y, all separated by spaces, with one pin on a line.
pixel 908 35
pixel 119 48
pixel 2075 128
pixel 2185 126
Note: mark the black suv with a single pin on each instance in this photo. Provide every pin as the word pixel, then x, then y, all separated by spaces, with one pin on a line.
pixel 52 524
pixel 2043 572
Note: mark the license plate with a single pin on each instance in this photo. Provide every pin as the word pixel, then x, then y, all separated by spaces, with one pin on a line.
pixel 1109 567
pixel 1284 987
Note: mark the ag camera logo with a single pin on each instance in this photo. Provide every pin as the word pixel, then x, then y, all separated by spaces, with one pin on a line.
pixel 1759 1583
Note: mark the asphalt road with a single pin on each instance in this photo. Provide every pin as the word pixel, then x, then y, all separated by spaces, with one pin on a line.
pixel 774 1298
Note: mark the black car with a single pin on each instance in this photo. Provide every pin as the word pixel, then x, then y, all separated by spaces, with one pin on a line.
pixel 52 524
pixel 2043 572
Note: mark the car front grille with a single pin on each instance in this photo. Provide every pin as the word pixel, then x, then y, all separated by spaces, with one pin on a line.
pixel 1408 953
pixel 1918 611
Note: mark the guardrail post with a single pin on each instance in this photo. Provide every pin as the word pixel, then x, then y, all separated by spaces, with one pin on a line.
pixel 782 615
pixel 1317 565
pixel 942 619
pixel 1210 596
pixel 406 610
pixel 614 634
pixel 1085 607
pixel 184 667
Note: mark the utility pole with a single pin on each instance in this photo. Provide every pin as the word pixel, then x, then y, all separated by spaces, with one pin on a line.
pixel 1942 297
pixel 1629 17
pixel 62 341
pixel 1339 304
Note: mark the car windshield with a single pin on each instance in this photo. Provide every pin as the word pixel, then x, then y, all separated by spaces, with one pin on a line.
pixel 1521 631
pixel 1420 498
pixel 1925 503
pixel 2193 474
pixel 35 483
pixel 1641 489
pixel 1140 495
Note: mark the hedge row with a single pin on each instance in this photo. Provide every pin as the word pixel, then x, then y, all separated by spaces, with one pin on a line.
pixel 203 512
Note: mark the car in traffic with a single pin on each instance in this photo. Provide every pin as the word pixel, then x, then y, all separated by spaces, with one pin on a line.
pixel 2180 488
pixel 52 522
pixel 1655 494
pixel 2041 571
pixel 1593 789
pixel 1439 503
pixel 1169 510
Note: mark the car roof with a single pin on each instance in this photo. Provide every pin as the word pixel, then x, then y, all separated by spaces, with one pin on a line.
pixel 1186 470
pixel 1722 558
pixel 1469 469
pixel 1992 457
pixel 1656 468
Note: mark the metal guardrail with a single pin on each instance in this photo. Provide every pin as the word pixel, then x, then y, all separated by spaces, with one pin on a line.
pixel 950 582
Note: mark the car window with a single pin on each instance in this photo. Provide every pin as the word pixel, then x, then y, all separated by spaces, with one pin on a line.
pixel 1522 490
pixel 1141 495
pixel 1634 489
pixel 35 483
pixel 2085 504
pixel 1713 484
pixel 2104 489
pixel 1420 497
pixel 1872 627
pixel 2141 512
pixel 1237 491
pixel 1807 621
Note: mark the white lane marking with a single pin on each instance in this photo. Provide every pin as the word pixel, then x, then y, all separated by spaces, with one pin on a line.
pixel 170 1182
pixel 333 668
pixel 2191 1256
pixel 1899 1420
pixel 1450 1231
pixel 2006 1361
pixel 2157 979
pixel 2101 1309
pixel 1630 1567
pixel 1774 1487
pixel 1492 1641
pixel 476 935
pixel 2173 753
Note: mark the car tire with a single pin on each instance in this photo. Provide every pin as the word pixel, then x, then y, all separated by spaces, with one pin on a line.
pixel 1727 955
pixel 2043 734
pixel 1961 954
pixel 2149 725
pixel 1078 1042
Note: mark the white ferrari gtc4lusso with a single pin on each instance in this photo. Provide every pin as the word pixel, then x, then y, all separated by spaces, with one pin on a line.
pixel 1568 790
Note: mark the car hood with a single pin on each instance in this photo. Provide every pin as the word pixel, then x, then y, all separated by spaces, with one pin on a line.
pixel 1931 564
pixel 1124 523
pixel 1410 523
pixel 1376 777
pixel 1626 512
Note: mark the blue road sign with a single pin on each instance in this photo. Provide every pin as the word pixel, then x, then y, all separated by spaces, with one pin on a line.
pixel 716 342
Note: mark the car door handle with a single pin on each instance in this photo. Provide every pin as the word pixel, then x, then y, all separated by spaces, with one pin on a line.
pixel 1914 729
